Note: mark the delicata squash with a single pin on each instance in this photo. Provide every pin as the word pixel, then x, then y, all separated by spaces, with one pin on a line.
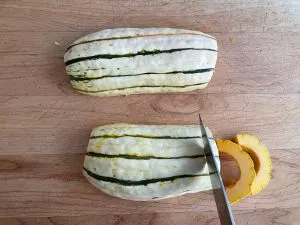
pixel 145 162
pixel 126 61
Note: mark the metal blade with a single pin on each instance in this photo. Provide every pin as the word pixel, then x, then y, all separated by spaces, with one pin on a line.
pixel 223 206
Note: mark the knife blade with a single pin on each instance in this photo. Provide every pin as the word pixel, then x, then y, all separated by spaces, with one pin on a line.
pixel 221 200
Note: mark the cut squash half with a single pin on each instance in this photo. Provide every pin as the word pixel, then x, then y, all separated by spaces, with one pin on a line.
pixel 242 187
pixel 261 158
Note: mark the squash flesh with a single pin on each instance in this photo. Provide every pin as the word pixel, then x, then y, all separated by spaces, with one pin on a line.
pixel 261 158
pixel 242 187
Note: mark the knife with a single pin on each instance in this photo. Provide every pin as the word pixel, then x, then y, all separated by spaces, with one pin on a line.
pixel 223 206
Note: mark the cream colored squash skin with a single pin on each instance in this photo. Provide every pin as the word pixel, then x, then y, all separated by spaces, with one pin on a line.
pixel 147 162
pixel 126 61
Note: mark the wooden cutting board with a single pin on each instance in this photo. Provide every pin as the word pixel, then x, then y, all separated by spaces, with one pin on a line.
pixel 45 125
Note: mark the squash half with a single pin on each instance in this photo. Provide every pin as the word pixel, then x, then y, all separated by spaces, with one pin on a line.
pixel 242 187
pixel 261 158
pixel 149 162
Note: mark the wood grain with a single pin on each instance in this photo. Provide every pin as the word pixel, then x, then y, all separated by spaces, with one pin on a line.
pixel 44 124
pixel 55 125
pixel 282 217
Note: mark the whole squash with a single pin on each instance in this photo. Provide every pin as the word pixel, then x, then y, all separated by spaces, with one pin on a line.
pixel 126 61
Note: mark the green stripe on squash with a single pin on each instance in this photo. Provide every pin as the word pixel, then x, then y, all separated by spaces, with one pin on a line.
pixel 141 182
pixel 141 53
pixel 90 91
pixel 84 78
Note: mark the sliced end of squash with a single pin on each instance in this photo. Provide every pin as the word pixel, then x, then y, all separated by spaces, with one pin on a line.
pixel 242 187
pixel 261 158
